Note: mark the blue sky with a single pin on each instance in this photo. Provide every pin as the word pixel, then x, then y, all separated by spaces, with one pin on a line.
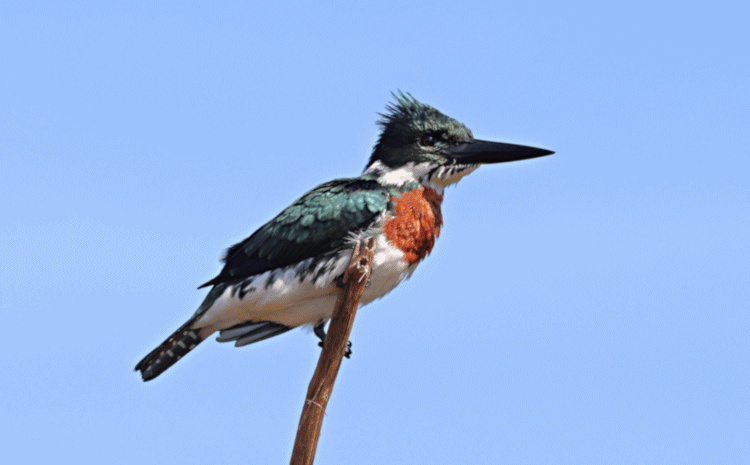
pixel 589 307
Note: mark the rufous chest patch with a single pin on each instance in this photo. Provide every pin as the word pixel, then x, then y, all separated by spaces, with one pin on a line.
pixel 416 223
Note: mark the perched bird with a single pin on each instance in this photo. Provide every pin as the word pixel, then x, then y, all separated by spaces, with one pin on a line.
pixel 286 274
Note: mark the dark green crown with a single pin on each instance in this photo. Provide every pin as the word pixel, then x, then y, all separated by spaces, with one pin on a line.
pixel 405 124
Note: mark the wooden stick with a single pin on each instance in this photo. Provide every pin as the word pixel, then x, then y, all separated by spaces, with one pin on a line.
pixel 334 347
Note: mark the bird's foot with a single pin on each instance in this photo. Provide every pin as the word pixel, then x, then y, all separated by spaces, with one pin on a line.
pixel 320 330
pixel 347 354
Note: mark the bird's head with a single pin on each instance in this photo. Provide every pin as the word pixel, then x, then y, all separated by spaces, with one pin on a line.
pixel 419 143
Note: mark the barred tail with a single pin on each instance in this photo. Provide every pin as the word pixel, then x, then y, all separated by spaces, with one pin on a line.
pixel 175 347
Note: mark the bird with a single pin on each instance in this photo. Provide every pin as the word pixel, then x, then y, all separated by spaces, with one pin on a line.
pixel 288 273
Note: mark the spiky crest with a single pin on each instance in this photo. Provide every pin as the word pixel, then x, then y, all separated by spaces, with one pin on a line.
pixel 404 122
pixel 401 156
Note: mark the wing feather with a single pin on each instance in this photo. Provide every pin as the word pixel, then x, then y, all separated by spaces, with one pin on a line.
pixel 317 223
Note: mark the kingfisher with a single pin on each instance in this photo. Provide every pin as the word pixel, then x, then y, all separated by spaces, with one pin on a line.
pixel 288 273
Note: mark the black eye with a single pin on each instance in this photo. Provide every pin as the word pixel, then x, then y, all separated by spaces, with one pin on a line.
pixel 428 140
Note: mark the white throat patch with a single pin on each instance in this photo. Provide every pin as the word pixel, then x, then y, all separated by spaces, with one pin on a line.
pixel 427 174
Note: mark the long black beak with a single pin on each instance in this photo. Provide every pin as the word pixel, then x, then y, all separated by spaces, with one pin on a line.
pixel 482 151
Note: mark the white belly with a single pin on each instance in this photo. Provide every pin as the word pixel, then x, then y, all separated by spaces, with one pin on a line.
pixel 291 302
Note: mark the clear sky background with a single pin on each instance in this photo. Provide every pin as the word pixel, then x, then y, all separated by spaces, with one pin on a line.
pixel 586 308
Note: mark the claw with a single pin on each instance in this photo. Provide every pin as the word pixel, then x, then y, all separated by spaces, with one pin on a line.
pixel 320 330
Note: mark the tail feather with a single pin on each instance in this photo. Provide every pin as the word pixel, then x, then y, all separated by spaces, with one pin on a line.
pixel 175 347
pixel 250 332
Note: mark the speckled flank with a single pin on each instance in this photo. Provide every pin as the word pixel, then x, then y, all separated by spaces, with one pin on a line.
pixel 416 223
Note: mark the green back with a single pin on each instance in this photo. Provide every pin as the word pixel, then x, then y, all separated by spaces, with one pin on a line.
pixel 318 223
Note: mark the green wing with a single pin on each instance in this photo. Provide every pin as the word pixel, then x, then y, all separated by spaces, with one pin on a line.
pixel 318 223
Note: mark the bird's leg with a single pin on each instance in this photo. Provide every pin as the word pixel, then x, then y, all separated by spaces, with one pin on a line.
pixel 320 330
